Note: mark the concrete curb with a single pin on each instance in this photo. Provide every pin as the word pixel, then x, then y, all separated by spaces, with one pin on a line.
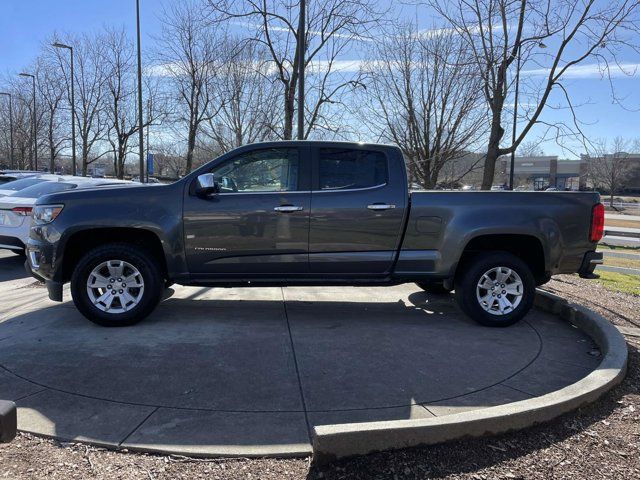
pixel 331 442
pixel 8 421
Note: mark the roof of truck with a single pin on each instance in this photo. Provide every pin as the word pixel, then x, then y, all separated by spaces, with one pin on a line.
pixel 323 143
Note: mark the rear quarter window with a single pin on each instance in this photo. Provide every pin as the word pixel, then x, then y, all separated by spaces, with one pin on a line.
pixel 344 168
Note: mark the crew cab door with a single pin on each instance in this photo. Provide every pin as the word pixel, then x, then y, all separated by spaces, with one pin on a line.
pixel 259 221
pixel 358 206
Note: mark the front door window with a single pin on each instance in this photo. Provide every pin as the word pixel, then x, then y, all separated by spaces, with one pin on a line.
pixel 269 170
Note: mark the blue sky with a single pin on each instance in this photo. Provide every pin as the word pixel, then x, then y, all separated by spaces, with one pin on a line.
pixel 24 24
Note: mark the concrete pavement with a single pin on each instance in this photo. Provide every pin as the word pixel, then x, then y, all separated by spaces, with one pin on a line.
pixel 252 371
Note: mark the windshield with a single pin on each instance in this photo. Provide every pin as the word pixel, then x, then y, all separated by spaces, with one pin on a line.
pixel 44 188
pixel 20 184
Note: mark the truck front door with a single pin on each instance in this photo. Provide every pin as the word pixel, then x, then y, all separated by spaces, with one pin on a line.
pixel 259 221
pixel 358 204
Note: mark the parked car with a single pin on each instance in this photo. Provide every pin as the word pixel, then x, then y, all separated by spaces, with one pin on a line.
pixel 11 187
pixel 16 209
pixel 7 176
pixel 148 180
pixel 308 213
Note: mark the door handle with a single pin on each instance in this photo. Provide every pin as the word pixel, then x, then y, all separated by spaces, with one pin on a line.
pixel 288 208
pixel 380 206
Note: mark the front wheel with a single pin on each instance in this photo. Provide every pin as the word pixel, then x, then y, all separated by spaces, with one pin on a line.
pixel 116 285
pixel 496 289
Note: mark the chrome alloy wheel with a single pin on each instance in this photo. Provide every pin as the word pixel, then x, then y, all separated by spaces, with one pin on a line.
pixel 499 291
pixel 115 286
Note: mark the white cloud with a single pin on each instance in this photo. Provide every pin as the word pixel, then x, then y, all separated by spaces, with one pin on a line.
pixel 590 70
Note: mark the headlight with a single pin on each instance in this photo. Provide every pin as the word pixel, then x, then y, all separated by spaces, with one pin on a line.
pixel 43 214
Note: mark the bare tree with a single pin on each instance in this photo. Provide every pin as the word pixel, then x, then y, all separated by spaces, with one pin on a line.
pixel 120 107
pixel 22 121
pixel 609 166
pixel 553 36
pixel 52 91
pixel 250 111
pixel 188 49
pixel 168 160
pixel 530 148
pixel 332 27
pixel 424 96
pixel 90 77
pixel 22 136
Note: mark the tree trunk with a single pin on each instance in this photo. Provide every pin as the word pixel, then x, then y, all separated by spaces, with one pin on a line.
pixel 121 160
pixel 191 146
pixel 52 163
pixel 493 152
pixel 85 157
pixel 289 108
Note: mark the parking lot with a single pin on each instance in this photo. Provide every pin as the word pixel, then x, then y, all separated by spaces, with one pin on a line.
pixel 251 371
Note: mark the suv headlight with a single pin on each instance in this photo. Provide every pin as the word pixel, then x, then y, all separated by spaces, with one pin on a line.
pixel 43 214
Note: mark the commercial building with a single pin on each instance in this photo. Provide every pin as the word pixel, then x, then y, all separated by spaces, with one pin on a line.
pixel 542 172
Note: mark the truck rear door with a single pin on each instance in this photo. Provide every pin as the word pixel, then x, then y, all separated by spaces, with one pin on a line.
pixel 358 202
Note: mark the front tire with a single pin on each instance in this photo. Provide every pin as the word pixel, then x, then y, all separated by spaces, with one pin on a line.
pixel 116 285
pixel 496 289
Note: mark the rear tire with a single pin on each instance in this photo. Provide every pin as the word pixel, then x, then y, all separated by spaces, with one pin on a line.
pixel 99 285
pixel 436 288
pixel 496 289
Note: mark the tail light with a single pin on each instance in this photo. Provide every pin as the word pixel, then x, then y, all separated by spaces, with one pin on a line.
pixel 597 223
pixel 24 211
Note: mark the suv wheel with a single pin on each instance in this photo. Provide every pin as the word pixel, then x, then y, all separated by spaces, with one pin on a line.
pixel 496 289
pixel 116 285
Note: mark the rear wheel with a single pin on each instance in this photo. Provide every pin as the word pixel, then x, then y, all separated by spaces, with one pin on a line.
pixel 436 288
pixel 496 289
pixel 116 285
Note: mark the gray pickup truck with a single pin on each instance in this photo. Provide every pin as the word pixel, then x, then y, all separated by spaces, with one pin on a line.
pixel 308 213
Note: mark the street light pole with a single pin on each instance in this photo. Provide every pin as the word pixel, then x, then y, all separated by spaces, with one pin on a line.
pixel 140 132
pixel 73 109
pixel 34 119
pixel 301 58
pixel 11 159
pixel 515 122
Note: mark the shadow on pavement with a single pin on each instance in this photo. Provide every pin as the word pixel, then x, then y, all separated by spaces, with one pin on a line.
pixel 11 266
pixel 211 372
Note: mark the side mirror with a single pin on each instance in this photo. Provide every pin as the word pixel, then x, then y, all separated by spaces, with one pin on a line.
pixel 206 184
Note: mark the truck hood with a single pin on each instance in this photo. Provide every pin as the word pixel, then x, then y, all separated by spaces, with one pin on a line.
pixel 105 192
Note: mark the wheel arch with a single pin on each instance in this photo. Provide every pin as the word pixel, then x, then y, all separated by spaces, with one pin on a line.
pixel 82 241
pixel 527 247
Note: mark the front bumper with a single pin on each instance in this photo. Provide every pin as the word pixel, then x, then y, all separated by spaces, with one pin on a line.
pixel 41 264
pixel 589 263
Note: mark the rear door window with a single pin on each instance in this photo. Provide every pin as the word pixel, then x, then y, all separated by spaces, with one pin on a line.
pixel 345 168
